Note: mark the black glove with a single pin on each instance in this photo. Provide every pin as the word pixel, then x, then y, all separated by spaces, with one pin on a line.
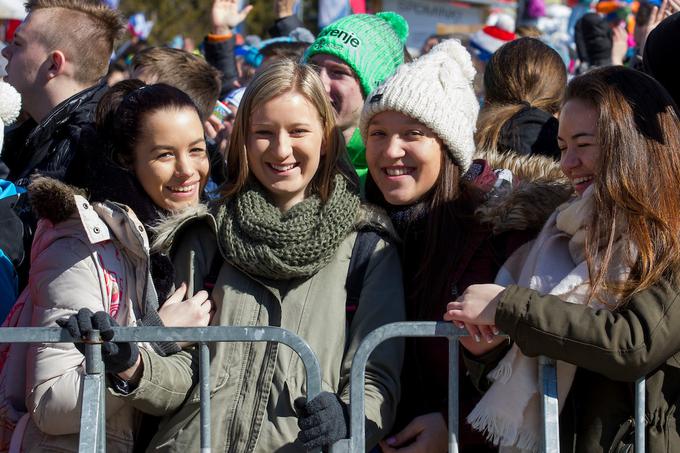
pixel 323 421
pixel 117 357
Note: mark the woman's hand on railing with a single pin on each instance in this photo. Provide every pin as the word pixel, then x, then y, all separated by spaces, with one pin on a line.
pixel 117 357
pixel 475 311
pixel 425 434
pixel 476 306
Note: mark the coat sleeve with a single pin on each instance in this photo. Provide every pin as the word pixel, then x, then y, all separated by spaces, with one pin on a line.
pixel 381 302
pixel 623 345
pixel 63 280
pixel 220 55
pixel 166 382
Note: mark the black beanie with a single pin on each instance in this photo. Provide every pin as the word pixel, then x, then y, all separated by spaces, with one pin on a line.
pixel 658 60
pixel 593 38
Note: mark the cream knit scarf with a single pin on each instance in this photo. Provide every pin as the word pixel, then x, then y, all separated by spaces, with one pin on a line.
pixel 509 413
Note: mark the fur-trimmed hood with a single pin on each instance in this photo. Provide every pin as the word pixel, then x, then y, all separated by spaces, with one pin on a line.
pixel 52 199
pixel 539 186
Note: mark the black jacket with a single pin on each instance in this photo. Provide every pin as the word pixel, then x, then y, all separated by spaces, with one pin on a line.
pixel 49 147
pixel 220 55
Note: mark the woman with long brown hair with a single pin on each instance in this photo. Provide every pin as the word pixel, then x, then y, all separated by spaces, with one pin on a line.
pixel 598 288
pixel 524 84
pixel 418 128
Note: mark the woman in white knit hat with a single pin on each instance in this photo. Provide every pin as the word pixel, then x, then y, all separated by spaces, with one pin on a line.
pixel 418 128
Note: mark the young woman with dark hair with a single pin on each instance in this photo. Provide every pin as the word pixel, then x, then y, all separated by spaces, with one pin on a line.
pixel 418 128
pixel 93 255
pixel 597 290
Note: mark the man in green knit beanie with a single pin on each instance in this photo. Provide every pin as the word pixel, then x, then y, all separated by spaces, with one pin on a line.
pixel 354 55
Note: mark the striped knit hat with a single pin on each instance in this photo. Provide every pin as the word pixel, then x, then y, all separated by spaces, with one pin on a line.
pixel 487 40
pixel 372 45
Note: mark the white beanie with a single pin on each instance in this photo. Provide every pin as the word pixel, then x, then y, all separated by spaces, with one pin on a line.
pixel 435 90
pixel 10 106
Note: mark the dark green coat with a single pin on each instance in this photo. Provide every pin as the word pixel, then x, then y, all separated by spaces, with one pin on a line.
pixel 612 350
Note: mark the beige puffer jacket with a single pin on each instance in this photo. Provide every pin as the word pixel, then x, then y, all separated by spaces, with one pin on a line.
pixel 94 256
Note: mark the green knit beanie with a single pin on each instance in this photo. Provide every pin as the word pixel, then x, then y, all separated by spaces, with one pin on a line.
pixel 372 45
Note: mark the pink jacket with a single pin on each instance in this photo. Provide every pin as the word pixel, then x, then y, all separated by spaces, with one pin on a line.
pixel 96 258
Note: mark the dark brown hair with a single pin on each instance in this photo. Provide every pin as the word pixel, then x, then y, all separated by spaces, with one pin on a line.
pixel 121 111
pixel 522 72
pixel 84 30
pixel 184 70
pixel 638 133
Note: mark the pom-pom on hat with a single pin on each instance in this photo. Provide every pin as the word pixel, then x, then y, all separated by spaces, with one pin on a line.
pixel 490 38
pixel 10 106
pixel 435 90
pixel 371 44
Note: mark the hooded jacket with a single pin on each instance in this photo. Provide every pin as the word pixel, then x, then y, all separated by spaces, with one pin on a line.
pixel 255 385
pixel 612 349
pixel 84 255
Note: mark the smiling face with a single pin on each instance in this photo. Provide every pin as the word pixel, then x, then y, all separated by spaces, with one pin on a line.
pixel 170 159
pixel 284 147
pixel 343 89
pixel 404 157
pixel 577 139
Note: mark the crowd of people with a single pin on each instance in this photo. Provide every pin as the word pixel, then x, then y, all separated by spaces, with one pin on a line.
pixel 331 185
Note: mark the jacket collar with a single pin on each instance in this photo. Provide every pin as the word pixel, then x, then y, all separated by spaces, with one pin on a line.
pixel 65 111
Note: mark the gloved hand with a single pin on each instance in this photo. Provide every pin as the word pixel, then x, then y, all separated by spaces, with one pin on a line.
pixel 323 421
pixel 117 357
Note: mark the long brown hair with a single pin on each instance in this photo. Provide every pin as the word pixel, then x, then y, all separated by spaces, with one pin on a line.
pixel 449 205
pixel 275 80
pixel 522 72
pixel 638 133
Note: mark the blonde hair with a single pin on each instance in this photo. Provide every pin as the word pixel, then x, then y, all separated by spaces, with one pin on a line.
pixel 279 78
pixel 85 31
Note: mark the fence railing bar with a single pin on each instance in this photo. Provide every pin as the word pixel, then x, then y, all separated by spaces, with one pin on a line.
pixel 93 403
pixel 640 423
pixel 212 334
pixel 454 385
pixel 547 377
pixel 92 434
pixel 371 341
pixel 204 382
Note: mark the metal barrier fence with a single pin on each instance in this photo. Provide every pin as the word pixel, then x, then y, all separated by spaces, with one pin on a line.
pixel 92 420
pixel 547 378
pixel 92 432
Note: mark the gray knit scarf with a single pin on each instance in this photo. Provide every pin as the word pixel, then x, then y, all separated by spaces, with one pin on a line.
pixel 258 238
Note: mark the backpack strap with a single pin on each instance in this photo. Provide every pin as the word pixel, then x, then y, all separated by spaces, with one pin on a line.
pixel 211 278
pixel 364 245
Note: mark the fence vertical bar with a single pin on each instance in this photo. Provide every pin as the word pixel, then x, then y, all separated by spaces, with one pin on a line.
pixel 93 402
pixel 547 375
pixel 454 411
pixel 204 377
pixel 640 423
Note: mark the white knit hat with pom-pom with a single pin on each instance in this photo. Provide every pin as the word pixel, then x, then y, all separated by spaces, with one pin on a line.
pixel 435 90
pixel 10 106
